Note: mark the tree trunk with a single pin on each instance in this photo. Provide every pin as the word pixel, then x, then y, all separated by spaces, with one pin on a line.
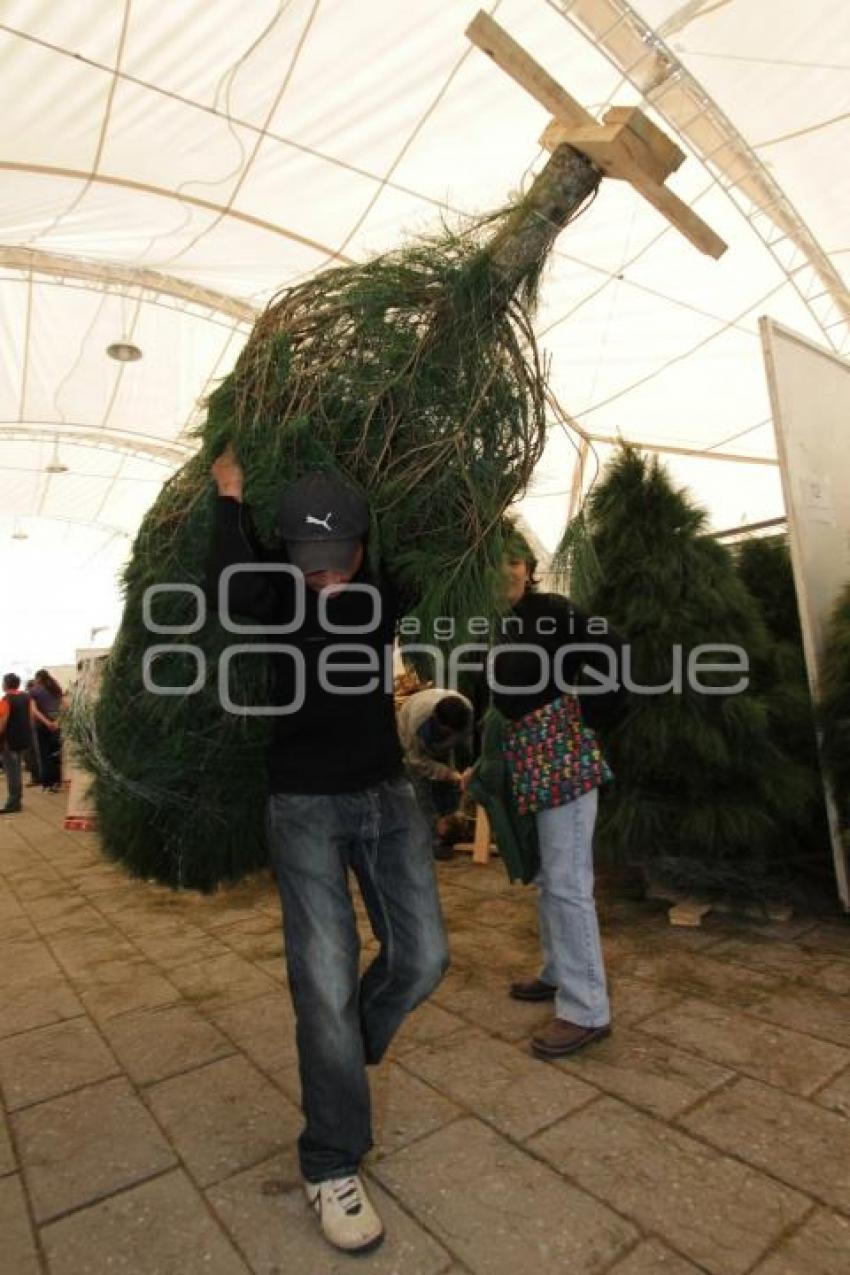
pixel 519 248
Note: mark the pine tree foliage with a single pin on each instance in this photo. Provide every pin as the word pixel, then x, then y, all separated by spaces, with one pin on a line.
pixel 702 787
pixel 764 565
pixel 834 707
pixel 417 377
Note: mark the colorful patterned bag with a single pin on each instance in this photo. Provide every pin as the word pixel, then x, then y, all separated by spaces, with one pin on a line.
pixel 552 756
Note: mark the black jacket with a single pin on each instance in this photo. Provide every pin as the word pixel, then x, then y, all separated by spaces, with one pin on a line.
pixel 558 632
pixel 18 733
pixel 333 742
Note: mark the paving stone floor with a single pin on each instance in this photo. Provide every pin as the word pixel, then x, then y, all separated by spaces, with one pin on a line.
pixel 150 1091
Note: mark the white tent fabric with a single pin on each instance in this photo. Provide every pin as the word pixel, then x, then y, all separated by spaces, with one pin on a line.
pixel 165 169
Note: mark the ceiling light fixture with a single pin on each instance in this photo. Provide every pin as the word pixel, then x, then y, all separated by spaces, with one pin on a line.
pixel 124 352
pixel 54 465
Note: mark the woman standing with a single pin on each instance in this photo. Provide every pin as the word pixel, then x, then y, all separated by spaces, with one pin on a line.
pixel 47 700
pixel 556 769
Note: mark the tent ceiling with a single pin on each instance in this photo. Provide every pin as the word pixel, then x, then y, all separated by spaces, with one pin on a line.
pixel 167 168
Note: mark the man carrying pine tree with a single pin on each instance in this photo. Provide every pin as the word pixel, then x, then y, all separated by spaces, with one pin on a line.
pixel 338 800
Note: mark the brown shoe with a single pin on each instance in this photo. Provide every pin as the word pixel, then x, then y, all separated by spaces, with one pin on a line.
pixel 561 1037
pixel 533 989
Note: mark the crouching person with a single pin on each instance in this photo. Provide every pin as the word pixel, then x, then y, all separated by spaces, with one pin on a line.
pixel 435 728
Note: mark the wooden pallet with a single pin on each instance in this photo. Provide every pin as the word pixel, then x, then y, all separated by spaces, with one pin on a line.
pixel 688 910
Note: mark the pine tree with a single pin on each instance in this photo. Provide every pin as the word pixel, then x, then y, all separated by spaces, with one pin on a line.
pixel 702 787
pixel 803 848
pixel 416 376
pixel 834 707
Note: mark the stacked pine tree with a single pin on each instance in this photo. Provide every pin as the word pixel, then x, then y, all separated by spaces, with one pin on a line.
pixel 714 793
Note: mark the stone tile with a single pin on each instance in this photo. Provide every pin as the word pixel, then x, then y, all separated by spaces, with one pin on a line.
pixel 163 1041
pixel 480 948
pixel 52 1060
pixel 404 1108
pixel 19 1251
pixel 63 913
pixel 236 903
pixel 19 927
pixel 834 977
pixel 483 1000
pixel 830 938
pixel 254 944
pixel 805 1009
pixel 227 980
pixel 266 1213
pixel 498 1082
pixel 288 1080
pixel 836 1095
pixel 181 946
pixel 701 978
pixel 38 885
pixel 264 1029
pixel 159 1228
pixel 716 1212
pixel 487 879
pixel 646 1072
pixel 508 915
pixel 26 961
pixel 425 1026
pixel 224 1117
pixel 82 955
pixel 129 993
pixel 797 1141
pixel 632 1000
pixel 626 936
pixel 499 1210
pixel 820 1247
pixel 274 968
pixel 98 881
pixel 46 1000
pixel 153 920
pixel 651 1257
pixel 789 931
pixel 7 1152
pixel 764 1051
pixel 789 959
pixel 85 1145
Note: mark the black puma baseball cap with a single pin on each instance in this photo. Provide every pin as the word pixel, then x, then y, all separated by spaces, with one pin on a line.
pixel 322 520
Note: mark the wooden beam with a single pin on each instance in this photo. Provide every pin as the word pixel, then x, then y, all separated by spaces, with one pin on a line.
pixel 653 139
pixel 627 145
pixel 683 218
pixel 619 151
pixel 750 526
pixel 615 441
pixel 493 40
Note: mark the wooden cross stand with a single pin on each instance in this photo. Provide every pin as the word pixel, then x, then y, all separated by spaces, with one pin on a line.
pixel 625 145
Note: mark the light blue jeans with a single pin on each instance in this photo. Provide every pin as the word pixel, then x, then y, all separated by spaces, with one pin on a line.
pixel 569 929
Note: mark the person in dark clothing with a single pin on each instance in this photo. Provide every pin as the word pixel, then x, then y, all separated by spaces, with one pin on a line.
pixel 339 803
pixel 16 725
pixel 46 695
pixel 557 768
pixel 30 757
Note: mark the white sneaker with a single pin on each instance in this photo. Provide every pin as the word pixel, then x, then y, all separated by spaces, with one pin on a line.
pixel 346 1214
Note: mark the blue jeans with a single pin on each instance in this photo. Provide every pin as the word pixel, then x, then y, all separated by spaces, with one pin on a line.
pixel 569 929
pixel 12 768
pixel 344 1022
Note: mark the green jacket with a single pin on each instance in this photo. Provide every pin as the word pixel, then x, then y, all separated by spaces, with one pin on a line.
pixel 490 786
